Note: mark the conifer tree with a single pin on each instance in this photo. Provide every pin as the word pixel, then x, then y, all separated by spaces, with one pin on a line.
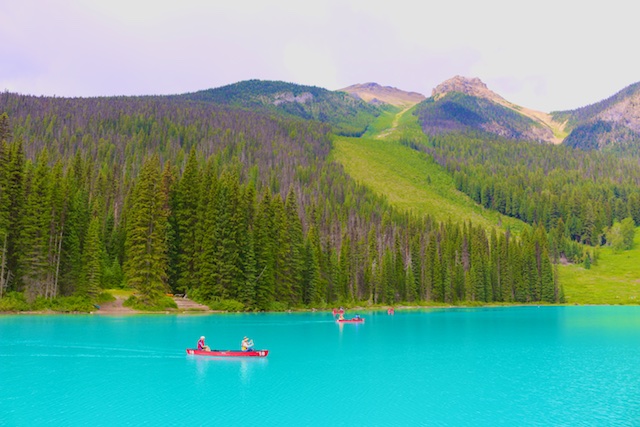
pixel 548 293
pixel 387 288
pixel 170 190
pixel 416 257
pixel 227 271
pixel 34 237
pixel 4 215
pixel 92 260
pixel 246 288
pixel 373 265
pixel 433 273
pixel 410 282
pixel 399 270
pixel 76 226
pixel 187 205
pixel 205 242
pixel 319 295
pixel 58 195
pixel 494 269
pixel 5 128
pixel 310 273
pixel 294 256
pixel 16 187
pixel 265 253
pixel 504 270
pixel 344 271
pixel 146 245
pixel 282 286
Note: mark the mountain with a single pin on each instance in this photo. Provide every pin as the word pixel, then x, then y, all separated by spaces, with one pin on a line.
pixel 347 115
pixel 611 125
pixel 376 94
pixel 466 104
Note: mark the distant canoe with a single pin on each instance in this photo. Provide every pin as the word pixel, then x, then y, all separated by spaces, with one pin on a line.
pixel 228 353
pixel 354 320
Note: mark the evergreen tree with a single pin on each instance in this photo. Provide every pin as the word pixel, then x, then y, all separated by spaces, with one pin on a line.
pixel 16 195
pixel 205 238
pixel 187 207
pixel 5 128
pixel 294 256
pixel 373 266
pixel 146 245
pixel 344 271
pixel 34 237
pixel 169 188
pixel 92 257
pixel 310 273
pixel 265 253
pixel 387 288
pixel 410 283
pixel 76 227
pixel 246 287
pixel 227 271
pixel 436 285
pixel 4 214
pixel 547 279
pixel 319 296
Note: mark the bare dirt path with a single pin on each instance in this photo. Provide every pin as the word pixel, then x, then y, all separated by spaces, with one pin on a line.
pixel 394 124
pixel 185 305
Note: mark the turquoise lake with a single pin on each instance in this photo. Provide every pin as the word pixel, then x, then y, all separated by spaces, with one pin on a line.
pixel 514 366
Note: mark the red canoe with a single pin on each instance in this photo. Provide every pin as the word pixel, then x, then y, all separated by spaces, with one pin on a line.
pixel 354 320
pixel 228 353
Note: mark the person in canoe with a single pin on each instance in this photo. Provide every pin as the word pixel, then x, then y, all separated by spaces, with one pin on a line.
pixel 247 344
pixel 356 317
pixel 341 316
pixel 202 345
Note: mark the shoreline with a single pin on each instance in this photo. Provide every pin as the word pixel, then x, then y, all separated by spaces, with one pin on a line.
pixel 118 310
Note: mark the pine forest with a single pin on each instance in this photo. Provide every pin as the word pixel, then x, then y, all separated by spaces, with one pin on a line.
pixel 245 210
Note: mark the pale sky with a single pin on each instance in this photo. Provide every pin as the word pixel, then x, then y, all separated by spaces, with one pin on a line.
pixel 544 54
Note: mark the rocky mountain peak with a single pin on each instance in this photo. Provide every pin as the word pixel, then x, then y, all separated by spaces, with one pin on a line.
pixel 469 86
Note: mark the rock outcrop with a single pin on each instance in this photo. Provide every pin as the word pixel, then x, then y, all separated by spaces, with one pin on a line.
pixel 469 86
pixel 376 94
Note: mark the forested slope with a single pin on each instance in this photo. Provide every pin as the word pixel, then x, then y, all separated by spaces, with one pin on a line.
pixel 348 115
pixel 575 195
pixel 580 198
pixel 241 209
pixel 611 125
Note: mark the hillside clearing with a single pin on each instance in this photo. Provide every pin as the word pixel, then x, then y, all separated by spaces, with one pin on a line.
pixel 615 279
pixel 411 181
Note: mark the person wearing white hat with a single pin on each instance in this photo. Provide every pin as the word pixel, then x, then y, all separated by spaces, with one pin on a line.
pixel 247 344
pixel 202 345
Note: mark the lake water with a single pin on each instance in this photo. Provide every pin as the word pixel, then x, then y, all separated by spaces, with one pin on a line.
pixel 515 366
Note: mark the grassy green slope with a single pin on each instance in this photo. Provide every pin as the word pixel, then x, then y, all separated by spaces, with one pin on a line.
pixel 410 180
pixel 614 280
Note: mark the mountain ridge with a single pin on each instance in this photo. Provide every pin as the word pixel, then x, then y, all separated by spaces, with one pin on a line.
pixel 611 124
pixel 345 113
pixel 375 93
pixel 548 129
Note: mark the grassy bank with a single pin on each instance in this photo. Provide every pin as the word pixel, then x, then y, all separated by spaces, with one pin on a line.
pixel 615 279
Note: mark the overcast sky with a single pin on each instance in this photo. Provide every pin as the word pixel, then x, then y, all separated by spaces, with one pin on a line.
pixel 544 54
